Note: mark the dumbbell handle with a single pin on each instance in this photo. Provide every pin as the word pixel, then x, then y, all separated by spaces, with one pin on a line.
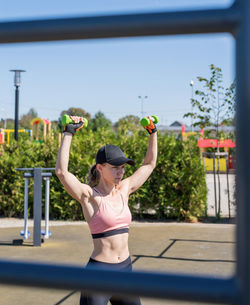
pixel 66 119
pixel 146 121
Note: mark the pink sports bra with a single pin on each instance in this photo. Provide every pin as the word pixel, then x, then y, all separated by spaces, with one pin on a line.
pixel 107 222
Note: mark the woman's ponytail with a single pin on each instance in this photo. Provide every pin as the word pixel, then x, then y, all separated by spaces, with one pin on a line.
pixel 94 176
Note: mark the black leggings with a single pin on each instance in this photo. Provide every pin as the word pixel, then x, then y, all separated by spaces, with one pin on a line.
pixel 90 299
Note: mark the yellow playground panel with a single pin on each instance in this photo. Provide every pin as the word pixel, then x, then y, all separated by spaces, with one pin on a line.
pixel 8 132
pixel 225 144
pixel 209 166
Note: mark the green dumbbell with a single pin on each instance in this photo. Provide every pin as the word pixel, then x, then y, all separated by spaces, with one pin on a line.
pixel 146 121
pixel 67 120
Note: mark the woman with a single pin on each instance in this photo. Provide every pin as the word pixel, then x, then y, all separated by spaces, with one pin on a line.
pixel 104 203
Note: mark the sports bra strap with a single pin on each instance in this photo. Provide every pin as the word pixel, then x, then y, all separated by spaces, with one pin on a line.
pixel 97 191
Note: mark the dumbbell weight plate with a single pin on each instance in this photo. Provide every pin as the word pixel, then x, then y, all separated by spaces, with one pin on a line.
pixel 156 119
pixel 66 120
pixel 145 122
pixel 85 122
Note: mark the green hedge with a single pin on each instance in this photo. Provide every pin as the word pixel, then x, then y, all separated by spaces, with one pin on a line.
pixel 175 190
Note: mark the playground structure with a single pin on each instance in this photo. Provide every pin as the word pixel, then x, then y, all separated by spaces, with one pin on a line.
pixel 8 132
pixel 222 162
pixel 216 163
pixel 35 122
pixel 46 127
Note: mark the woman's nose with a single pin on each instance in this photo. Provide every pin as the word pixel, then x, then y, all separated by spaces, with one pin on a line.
pixel 121 170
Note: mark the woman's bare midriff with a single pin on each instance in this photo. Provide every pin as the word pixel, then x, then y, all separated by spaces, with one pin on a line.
pixel 112 249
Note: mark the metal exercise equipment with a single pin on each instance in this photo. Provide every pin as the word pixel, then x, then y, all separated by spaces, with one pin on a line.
pixel 37 174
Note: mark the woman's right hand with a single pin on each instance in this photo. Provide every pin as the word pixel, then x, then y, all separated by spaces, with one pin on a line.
pixel 76 119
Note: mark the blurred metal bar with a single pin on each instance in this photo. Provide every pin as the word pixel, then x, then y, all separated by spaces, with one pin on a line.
pixel 148 284
pixel 130 25
pixel 31 169
pixel 243 152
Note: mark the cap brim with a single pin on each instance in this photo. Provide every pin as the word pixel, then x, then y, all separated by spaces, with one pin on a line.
pixel 122 160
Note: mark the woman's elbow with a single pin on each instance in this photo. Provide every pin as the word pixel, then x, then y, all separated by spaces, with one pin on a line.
pixel 60 173
pixel 153 164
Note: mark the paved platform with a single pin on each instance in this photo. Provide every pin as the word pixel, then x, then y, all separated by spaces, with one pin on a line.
pixel 171 247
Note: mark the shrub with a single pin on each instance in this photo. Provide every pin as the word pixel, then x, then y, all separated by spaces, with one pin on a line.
pixel 176 189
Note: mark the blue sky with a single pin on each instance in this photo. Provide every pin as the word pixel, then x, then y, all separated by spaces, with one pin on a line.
pixel 109 75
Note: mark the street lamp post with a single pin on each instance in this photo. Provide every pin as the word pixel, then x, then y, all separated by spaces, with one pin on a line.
pixel 192 96
pixel 142 100
pixel 17 83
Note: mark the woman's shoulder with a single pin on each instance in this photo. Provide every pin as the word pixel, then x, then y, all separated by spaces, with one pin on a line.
pixel 87 191
pixel 123 188
pixel 94 197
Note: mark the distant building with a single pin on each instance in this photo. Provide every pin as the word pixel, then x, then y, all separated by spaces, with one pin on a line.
pixel 177 124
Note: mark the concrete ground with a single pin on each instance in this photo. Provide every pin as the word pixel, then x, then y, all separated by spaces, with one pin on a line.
pixel 205 249
pixel 227 200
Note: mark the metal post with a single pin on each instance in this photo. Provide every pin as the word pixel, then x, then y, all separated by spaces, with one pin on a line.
pixel 142 100
pixel 243 151
pixel 204 160
pixel 228 191
pixel 16 112
pixel 215 195
pixel 37 206
pixel 218 213
pixel 17 82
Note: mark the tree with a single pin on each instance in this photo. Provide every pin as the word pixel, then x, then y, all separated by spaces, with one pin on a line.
pixel 100 121
pixel 76 112
pixel 26 118
pixel 8 123
pixel 128 124
pixel 214 104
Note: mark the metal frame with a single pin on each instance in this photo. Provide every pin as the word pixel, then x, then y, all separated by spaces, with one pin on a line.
pixel 37 173
pixel 234 20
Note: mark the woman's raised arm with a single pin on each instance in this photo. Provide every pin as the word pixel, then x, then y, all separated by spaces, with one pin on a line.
pixel 73 186
pixel 136 180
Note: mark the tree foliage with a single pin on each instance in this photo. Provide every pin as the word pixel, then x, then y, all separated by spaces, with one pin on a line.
pixel 128 124
pixel 100 121
pixel 9 123
pixel 214 103
pixel 27 118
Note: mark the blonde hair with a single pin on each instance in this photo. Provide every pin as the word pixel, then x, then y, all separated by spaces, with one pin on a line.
pixel 93 176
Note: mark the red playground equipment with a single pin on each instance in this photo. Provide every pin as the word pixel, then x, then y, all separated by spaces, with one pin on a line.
pixel 214 143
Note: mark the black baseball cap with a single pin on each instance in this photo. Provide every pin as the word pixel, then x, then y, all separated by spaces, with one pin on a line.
pixel 113 155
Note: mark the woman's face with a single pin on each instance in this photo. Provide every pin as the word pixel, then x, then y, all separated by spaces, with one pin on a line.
pixel 111 173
